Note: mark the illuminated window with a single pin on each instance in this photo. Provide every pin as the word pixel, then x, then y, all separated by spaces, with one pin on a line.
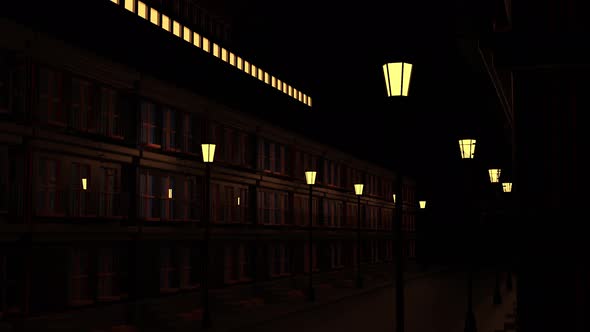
pixel 240 63
pixel 279 85
pixel 290 91
pixel 309 101
pixel 187 34
pixel 130 5
pixel 165 22
pixel 273 81
pixel 155 16
pixel 299 96
pixel 142 10
pixel 247 67
pixel 253 70
pixel 232 59
pixel 115 1
pixel 304 99
pixel 266 78
pixel 176 28
pixel 196 39
pixel 294 95
pixel 206 45
pixel 216 50
pixel 223 54
pixel 260 74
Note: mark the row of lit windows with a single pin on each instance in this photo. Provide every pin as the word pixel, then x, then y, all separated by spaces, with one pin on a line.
pixel 165 22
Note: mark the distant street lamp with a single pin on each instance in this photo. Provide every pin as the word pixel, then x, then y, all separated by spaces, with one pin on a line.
pixel 397 78
pixel 208 155
pixel 494 175
pixel 507 187
pixel 84 183
pixel 467 148
pixel 310 179
pixel 358 190
pixel 422 204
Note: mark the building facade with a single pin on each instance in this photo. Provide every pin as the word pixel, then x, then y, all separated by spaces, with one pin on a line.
pixel 102 199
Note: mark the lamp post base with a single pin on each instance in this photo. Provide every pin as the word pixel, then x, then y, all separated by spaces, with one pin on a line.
pixel 311 294
pixel 470 325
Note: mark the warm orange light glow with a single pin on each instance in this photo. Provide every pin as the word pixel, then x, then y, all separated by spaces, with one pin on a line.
pixel 253 70
pixel 84 183
pixel 309 102
pixel 215 50
pixel 232 59
pixel 240 63
pixel 467 147
pixel 130 5
pixel 394 198
pixel 223 54
pixel 397 78
pixel 494 175
pixel 507 187
pixel 279 84
pixel 142 10
pixel 170 193
pixel 115 1
pixel 187 33
pixel 273 81
pixel 155 16
pixel 196 39
pixel 238 200
pixel 422 204
pixel 310 177
pixel 206 46
pixel 208 152
pixel 176 28
pixel 358 189
pixel 290 91
pixel 246 67
pixel 165 22
pixel 260 74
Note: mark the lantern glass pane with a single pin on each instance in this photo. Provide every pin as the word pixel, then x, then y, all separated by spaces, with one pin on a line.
pixel 358 189
pixel 84 183
pixel 407 72
pixel 467 147
pixel 422 204
pixel 208 152
pixel 507 187
pixel 310 177
pixel 494 175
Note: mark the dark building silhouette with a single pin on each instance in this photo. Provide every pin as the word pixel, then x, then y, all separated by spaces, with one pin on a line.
pixel 101 172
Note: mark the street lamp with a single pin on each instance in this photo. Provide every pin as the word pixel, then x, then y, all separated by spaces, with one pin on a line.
pixel 310 179
pixel 494 175
pixel 358 190
pixel 422 204
pixel 467 148
pixel 84 183
pixel 507 188
pixel 208 154
pixel 397 77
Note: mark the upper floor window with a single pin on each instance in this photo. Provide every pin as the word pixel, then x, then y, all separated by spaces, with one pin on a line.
pixel 230 203
pixel 50 91
pixel 301 210
pixel 306 161
pixel 331 173
pixel 169 129
pixel 109 113
pixel 49 199
pixel 79 291
pixel 273 207
pixel 82 111
pixel 151 124
pixel 332 212
pixel 273 157
pixel 81 202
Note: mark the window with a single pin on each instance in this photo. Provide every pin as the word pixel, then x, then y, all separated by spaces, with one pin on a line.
pixel 141 10
pixel 79 278
pixel 273 207
pixel 82 113
pixel 110 199
pixel 206 46
pixel 167 271
pixel 167 210
pixel 169 130
pixel 188 268
pixel 109 113
pixel 130 5
pixel 187 34
pixel 80 199
pixel 51 96
pixel 176 28
pixel 147 189
pixel 4 187
pixel 166 23
pixel 273 157
pixel 150 125
pixel 196 39
pixel 49 199
pixel 279 260
pixel 336 255
pixel 111 274
pixel 155 16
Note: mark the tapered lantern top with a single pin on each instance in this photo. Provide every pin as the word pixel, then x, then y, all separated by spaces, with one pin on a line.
pixel 310 177
pixel 393 198
pixel 495 175
pixel 397 78
pixel 467 147
pixel 208 152
pixel 84 183
pixel 422 204
pixel 358 189
pixel 507 187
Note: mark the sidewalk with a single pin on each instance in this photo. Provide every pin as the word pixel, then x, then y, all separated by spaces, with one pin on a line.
pixel 326 293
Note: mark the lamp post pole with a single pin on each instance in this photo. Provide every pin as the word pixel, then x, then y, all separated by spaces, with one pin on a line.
pixel 205 278
pixel 311 292
pixel 359 278
pixel 399 257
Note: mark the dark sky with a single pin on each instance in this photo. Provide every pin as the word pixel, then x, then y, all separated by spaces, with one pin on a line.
pixel 334 51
